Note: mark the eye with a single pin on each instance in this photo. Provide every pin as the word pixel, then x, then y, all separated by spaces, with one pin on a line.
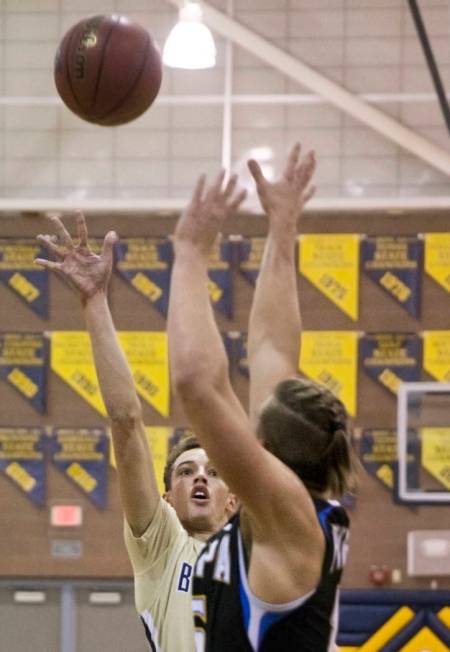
pixel 213 472
pixel 185 471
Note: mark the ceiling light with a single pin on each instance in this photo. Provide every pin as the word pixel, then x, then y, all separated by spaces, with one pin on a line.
pixel 190 43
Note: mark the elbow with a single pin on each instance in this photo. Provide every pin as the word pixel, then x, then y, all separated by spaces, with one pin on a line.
pixel 195 383
pixel 123 415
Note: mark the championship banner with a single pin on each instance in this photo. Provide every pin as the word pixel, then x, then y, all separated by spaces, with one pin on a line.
pixel 220 283
pixel 146 264
pixel 331 359
pixel 250 253
pixel 19 272
pixel 436 354
pixel 71 359
pixel 378 454
pixel 436 453
pixel 394 263
pixel 147 354
pixel 437 258
pixel 391 358
pixel 22 460
pixel 158 442
pixel 81 455
pixel 23 364
pixel 331 263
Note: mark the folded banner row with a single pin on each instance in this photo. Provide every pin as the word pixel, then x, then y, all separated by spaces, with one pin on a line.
pixel 83 456
pixel 331 262
pixel 331 358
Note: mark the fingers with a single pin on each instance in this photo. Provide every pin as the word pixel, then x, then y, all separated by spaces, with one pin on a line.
pixel 306 169
pixel 81 229
pixel 49 264
pixel 234 205
pixel 309 192
pixel 48 243
pixel 108 244
pixel 62 232
pixel 198 190
pixel 231 185
pixel 256 172
pixel 216 187
pixel 292 162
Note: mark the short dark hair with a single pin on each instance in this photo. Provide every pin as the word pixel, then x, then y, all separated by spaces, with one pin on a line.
pixel 306 427
pixel 186 443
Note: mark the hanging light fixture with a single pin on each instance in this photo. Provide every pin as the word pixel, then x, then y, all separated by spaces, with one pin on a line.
pixel 190 44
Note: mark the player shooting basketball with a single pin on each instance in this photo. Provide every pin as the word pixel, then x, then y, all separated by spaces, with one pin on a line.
pixel 163 537
pixel 268 581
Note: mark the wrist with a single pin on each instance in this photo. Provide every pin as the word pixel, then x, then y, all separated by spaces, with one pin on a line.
pixel 93 299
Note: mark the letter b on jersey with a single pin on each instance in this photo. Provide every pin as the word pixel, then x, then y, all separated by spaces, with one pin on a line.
pixel 184 579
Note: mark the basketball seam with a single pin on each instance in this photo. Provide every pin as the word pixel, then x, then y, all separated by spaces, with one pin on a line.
pixel 99 72
pixel 130 90
pixel 67 67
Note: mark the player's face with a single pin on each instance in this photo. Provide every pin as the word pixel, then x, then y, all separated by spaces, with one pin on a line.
pixel 201 499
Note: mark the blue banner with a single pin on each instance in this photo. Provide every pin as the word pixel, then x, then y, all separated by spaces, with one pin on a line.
pixel 20 274
pixel 146 264
pixel 82 455
pixel 250 252
pixel 378 453
pixel 395 264
pixel 220 283
pixel 391 358
pixel 22 460
pixel 23 364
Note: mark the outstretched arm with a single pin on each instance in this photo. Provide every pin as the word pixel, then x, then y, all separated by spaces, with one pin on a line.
pixel 89 275
pixel 275 324
pixel 278 506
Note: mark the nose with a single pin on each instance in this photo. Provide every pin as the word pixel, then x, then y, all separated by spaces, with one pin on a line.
pixel 201 477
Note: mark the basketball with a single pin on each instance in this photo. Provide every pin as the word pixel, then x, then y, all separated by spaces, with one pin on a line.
pixel 108 70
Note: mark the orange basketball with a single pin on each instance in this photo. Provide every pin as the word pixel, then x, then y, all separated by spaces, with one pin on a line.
pixel 108 70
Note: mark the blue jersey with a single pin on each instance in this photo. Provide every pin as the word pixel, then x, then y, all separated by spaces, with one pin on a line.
pixel 229 618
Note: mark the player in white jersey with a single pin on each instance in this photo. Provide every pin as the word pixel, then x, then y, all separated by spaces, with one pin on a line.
pixel 163 535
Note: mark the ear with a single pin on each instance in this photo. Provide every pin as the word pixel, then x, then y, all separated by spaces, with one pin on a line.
pixel 167 496
pixel 231 504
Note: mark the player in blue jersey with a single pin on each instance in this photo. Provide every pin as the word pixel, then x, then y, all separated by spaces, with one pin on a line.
pixel 268 581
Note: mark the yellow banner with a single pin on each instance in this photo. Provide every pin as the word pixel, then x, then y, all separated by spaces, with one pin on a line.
pixel 436 453
pixel 437 258
pixel 436 354
pixel 71 359
pixel 331 263
pixel 331 359
pixel 158 441
pixel 147 354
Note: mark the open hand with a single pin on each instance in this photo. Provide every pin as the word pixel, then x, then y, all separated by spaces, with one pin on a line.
pixel 283 200
pixel 208 209
pixel 76 263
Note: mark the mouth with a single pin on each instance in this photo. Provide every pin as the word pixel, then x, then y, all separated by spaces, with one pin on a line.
pixel 200 495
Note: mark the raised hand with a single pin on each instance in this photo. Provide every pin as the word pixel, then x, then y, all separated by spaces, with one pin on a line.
pixel 284 199
pixel 76 263
pixel 201 221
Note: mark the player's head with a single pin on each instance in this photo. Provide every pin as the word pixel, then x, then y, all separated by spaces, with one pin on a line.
pixel 305 426
pixel 200 497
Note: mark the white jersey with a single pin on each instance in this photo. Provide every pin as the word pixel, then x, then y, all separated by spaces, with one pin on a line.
pixel 163 559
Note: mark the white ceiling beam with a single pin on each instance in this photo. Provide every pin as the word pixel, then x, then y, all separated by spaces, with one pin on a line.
pixel 349 103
